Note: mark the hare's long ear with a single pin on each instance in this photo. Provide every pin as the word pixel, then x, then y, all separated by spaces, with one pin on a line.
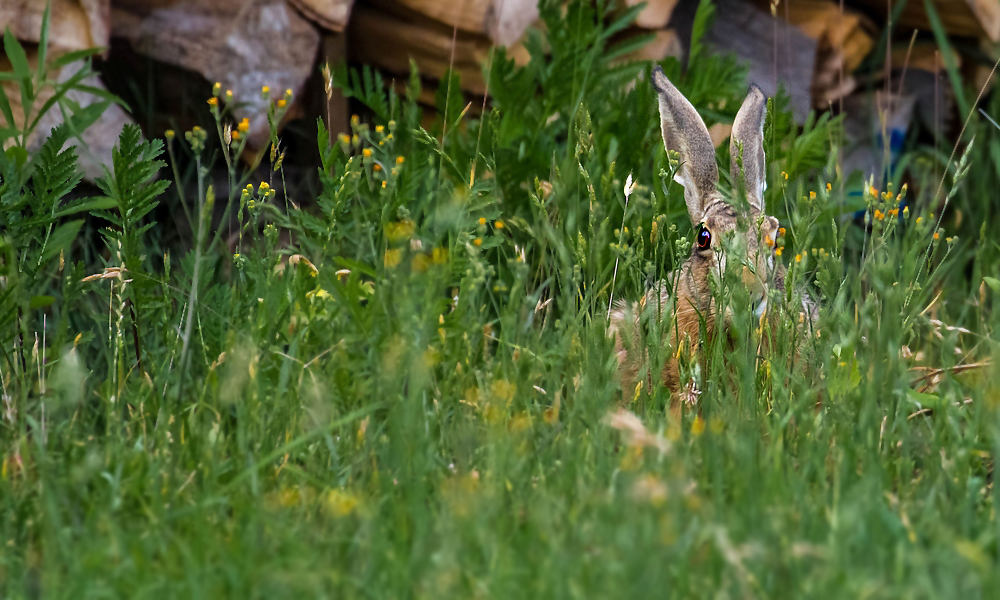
pixel 748 135
pixel 685 133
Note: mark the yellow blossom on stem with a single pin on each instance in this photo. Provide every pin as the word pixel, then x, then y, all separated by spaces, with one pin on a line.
pixel 213 101
pixel 379 128
pixel 399 159
pixel 377 167
pixel 281 103
pixel 937 235
pixel 265 90
pixel 169 134
pixel 812 195
pixel 879 215
pixel 778 250
pixel 216 88
pixel 479 241
pixel 785 175
pixel 829 187
pixel 244 125
pixel 367 152
pixel 482 220
pixel 798 258
pixel 498 224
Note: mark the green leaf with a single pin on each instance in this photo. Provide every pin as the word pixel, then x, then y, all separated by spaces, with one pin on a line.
pixel 994 284
pixel 61 238
pixel 923 400
pixel 58 93
pixel 71 57
pixel 15 53
pixel 19 60
pixel 102 93
pixel 17 154
pixel 5 108
pixel 90 204
pixel 947 56
pixel 43 41
pixel 40 302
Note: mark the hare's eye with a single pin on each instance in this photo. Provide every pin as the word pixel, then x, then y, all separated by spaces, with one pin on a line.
pixel 704 239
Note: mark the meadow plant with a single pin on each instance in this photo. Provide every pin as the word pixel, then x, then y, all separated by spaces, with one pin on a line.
pixel 404 387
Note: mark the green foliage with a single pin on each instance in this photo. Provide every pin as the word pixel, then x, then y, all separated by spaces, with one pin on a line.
pixel 405 388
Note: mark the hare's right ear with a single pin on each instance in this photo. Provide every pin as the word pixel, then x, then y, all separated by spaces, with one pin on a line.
pixel 685 132
pixel 748 138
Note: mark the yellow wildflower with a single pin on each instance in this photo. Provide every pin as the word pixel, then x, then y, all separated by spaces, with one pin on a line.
pixel 778 250
pixel 281 103
pixel 812 195
pixel 367 152
pixel 244 125
pixel 829 187
pixel 798 258
pixel 265 90
pixel 213 101
pixel 478 241
pixel 498 224
pixel 399 159
pixel 482 220
pixel 392 257
pixel 379 128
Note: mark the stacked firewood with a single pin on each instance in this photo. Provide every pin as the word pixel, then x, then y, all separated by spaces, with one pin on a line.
pixel 815 49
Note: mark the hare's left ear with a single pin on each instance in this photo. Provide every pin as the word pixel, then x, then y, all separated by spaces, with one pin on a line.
pixel 748 137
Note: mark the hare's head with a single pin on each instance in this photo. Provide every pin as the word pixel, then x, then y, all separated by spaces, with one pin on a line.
pixel 738 238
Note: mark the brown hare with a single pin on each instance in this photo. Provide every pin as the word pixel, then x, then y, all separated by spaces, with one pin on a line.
pixel 746 237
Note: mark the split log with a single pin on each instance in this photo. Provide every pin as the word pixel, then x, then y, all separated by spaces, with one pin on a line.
pixel 843 41
pixel 328 14
pixel 73 24
pixel 389 41
pixel 504 21
pixel 243 44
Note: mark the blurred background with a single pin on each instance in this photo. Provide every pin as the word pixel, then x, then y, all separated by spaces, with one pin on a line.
pixel 912 82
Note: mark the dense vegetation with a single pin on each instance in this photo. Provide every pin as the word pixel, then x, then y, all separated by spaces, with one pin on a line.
pixel 403 387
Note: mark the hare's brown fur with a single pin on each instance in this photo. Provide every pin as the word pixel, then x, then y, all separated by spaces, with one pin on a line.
pixel 684 300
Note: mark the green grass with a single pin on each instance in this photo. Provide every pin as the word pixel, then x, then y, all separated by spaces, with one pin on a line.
pixel 435 423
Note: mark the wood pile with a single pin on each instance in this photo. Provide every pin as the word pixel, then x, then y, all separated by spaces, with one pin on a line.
pixel 815 49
